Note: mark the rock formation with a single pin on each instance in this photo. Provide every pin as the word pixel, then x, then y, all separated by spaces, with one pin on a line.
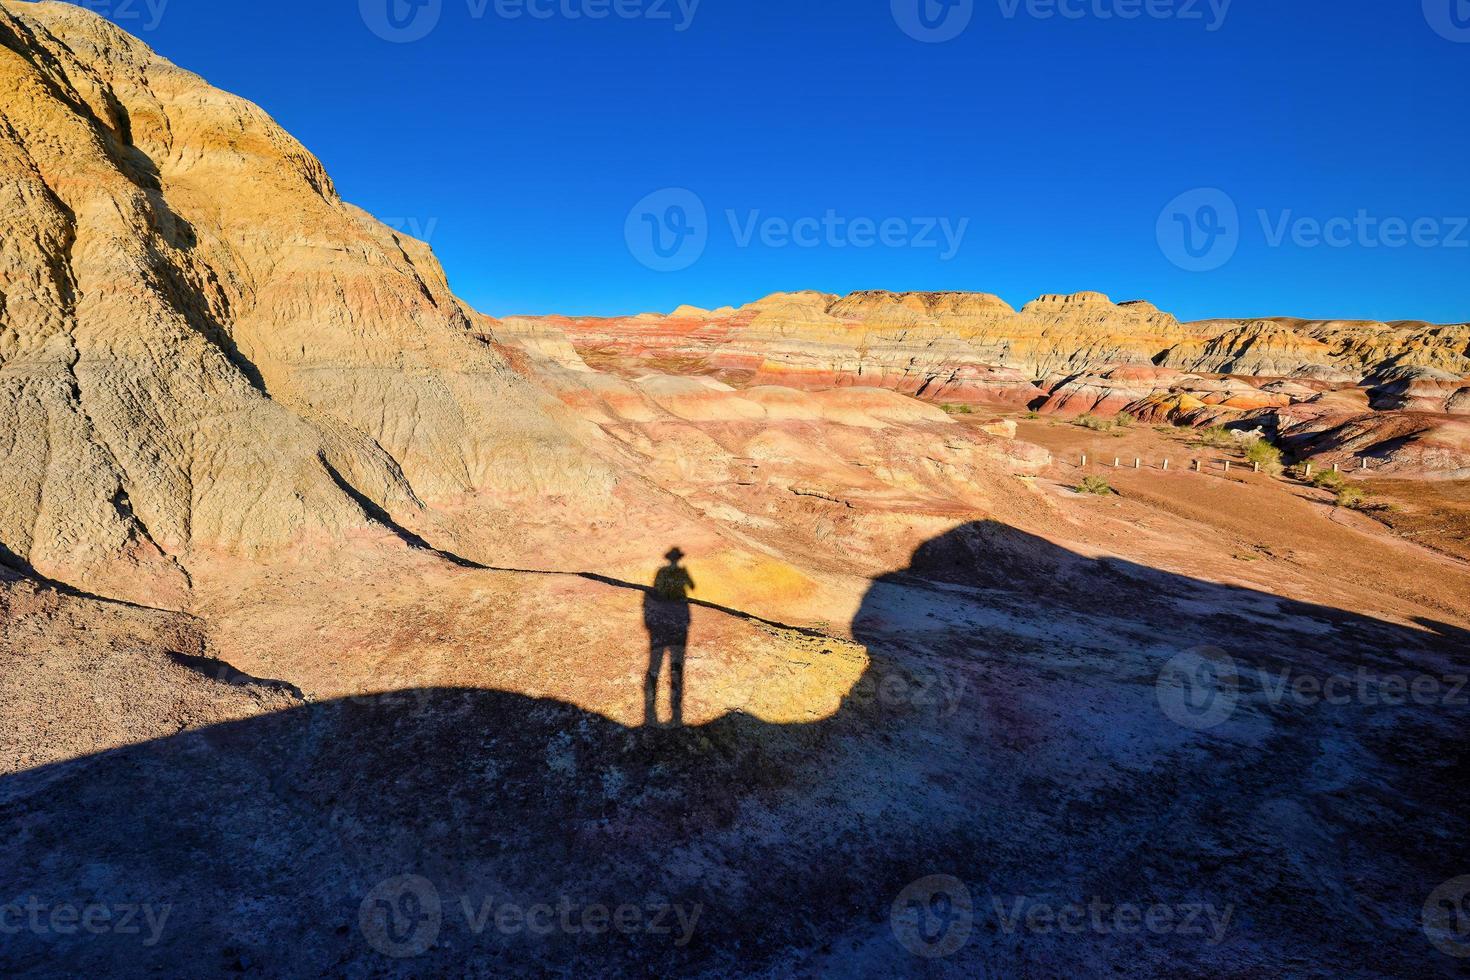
pixel 203 349
pixel 1067 355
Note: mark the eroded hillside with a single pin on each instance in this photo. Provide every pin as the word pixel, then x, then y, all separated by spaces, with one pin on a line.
pixel 1396 393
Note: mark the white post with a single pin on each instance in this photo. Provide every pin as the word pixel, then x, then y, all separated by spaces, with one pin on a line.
pixel 1196 466
pixel 1365 464
pixel 1084 459
pixel 1227 466
pixel 1309 471
pixel 1137 463
pixel 1166 464
pixel 1255 467
pixel 1117 462
pixel 1335 468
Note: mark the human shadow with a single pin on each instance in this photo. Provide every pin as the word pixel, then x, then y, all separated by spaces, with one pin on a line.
pixel 1008 733
pixel 666 617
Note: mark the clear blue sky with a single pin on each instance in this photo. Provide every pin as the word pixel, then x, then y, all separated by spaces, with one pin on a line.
pixel 519 145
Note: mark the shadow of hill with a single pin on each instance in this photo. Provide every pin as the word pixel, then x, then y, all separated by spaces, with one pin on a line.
pixel 1009 733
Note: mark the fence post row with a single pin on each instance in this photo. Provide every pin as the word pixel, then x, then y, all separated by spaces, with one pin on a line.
pixel 1198 466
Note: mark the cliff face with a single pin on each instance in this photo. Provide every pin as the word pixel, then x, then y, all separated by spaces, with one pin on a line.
pixel 1332 350
pixel 1067 355
pixel 917 341
pixel 950 347
pixel 202 347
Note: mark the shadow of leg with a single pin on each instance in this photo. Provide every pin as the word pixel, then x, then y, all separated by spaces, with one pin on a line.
pixel 676 682
pixel 650 684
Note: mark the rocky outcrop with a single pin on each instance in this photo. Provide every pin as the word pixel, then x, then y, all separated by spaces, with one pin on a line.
pixel 963 348
pixel 78 676
pixel 1422 390
pixel 1061 354
pixel 202 347
pixel 1340 428
pixel 973 347
pixel 1327 350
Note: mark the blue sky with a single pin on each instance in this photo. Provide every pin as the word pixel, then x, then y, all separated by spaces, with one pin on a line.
pixel 1182 154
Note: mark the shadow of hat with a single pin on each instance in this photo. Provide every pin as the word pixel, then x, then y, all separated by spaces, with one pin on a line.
pixel 675 555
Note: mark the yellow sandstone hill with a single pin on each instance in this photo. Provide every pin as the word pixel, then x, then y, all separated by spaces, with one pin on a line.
pixel 1335 350
pixel 202 347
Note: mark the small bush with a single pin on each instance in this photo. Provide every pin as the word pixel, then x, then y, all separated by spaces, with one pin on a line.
pixel 1265 455
pixel 1033 415
pixel 1093 422
pixel 1096 486
pixel 1216 437
pixel 1347 493
pixel 958 409
pixel 1124 420
pixel 1351 496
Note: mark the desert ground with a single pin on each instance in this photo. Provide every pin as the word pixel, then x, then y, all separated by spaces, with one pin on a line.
pixel 994 709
